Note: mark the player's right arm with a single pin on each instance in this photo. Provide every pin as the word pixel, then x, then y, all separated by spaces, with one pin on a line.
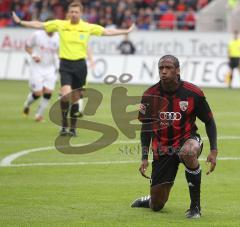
pixel 29 50
pixel 28 24
pixel 146 137
pixel 144 116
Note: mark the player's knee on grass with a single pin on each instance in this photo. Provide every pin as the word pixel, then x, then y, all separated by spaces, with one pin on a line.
pixel 159 196
pixel 158 201
pixel 156 205
pixel 47 95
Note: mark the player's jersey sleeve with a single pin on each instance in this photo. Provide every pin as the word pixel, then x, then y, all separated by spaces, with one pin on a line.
pixel 96 29
pixel 52 25
pixel 145 109
pixel 203 111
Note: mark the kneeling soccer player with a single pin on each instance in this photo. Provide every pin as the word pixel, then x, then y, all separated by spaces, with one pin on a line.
pixel 168 113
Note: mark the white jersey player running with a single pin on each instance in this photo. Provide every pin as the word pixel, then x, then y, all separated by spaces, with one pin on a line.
pixel 43 48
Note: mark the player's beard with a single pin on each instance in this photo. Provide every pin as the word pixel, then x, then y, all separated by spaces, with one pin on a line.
pixel 169 84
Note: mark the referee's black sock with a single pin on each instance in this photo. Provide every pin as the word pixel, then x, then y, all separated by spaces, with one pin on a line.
pixel 64 108
pixel 74 110
pixel 193 177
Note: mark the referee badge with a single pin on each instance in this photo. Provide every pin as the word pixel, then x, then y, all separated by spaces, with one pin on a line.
pixel 183 105
pixel 82 36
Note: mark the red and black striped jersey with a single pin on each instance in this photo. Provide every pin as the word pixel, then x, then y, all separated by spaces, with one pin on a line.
pixel 172 116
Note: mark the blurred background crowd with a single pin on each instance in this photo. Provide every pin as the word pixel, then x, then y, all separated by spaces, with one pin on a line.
pixel 148 14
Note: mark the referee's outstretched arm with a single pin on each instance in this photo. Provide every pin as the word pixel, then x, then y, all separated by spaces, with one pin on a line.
pixel 114 31
pixel 29 24
pixel 40 25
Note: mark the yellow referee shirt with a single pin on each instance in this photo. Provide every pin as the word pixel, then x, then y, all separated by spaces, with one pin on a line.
pixel 234 48
pixel 73 37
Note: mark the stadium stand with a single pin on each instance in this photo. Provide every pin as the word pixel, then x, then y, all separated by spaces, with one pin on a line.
pixel 148 14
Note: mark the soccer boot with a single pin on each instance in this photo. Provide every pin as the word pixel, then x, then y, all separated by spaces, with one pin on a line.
pixel 38 118
pixel 26 111
pixel 78 114
pixel 63 132
pixel 141 202
pixel 72 132
pixel 193 213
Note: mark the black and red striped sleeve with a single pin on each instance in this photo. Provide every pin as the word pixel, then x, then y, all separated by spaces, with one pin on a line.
pixel 202 109
pixel 145 109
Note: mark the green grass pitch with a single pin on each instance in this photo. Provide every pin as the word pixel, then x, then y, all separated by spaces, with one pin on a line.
pixel 54 189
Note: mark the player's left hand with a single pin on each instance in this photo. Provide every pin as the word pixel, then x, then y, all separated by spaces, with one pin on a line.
pixel 212 159
pixel 92 64
pixel 143 168
pixel 36 58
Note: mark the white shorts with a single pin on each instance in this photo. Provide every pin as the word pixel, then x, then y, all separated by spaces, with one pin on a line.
pixel 39 81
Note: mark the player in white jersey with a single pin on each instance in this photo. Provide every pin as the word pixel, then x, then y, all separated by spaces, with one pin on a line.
pixel 42 48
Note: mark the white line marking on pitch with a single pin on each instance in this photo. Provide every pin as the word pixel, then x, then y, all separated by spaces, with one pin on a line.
pixel 7 161
pixel 10 158
pixel 99 163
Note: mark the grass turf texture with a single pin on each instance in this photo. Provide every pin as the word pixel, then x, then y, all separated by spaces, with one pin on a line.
pixel 100 195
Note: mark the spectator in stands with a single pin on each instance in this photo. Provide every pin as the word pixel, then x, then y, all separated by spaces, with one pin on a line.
pixel 163 6
pixel 93 16
pixel 120 13
pixel 5 6
pixel 168 20
pixel 45 12
pixel 202 3
pixel 190 19
pixel 191 3
pixel 4 21
pixel 128 19
pixel 142 22
pixel 180 20
pixel 58 11
pixel 181 6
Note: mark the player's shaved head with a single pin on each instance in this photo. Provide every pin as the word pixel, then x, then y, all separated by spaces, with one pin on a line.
pixel 172 58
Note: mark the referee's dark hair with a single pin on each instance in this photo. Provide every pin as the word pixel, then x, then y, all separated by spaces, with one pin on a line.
pixel 171 57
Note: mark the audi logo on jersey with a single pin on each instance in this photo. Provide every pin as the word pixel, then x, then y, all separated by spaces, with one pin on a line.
pixel 170 116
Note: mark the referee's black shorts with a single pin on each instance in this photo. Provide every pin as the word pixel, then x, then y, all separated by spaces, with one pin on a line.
pixel 73 73
pixel 234 62
pixel 165 169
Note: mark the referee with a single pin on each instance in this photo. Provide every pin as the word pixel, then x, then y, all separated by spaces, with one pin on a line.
pixel 233 56
pixel 74 35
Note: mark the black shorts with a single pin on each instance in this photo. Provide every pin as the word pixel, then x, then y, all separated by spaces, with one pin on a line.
pixel 165 169
pixel 234 63
pixel 73 73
